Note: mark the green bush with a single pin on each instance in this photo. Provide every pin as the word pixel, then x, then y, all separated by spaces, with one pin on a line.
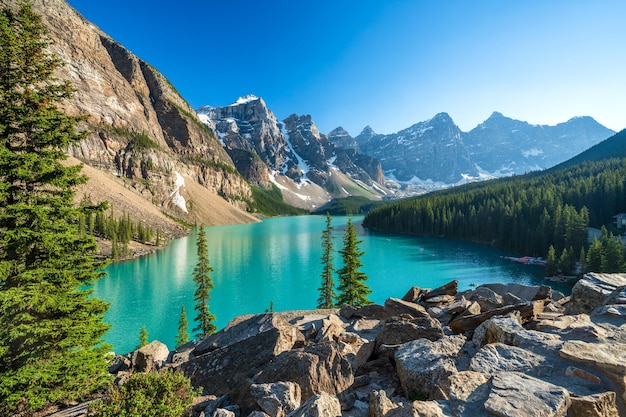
pixel 167 394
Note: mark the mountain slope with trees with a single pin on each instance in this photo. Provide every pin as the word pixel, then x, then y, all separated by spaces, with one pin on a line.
pixel 525 214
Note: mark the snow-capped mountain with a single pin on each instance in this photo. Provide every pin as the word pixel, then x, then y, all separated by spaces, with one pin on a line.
pixel 431 151
pixel 505 146
pixel 292 153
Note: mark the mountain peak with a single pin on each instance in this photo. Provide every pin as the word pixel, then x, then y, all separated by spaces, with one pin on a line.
pixel 245 99
pixel 441 117
pixel 496 115
pixel 338 131
pixel 367 131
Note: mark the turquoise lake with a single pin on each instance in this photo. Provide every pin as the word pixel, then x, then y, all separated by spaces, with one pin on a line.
pixel 278 261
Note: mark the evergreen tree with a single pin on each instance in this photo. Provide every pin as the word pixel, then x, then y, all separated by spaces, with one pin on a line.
pixel 327 289
pixel 551 268
pixel 204 285
pixel 143 337
pixel 352 287
pixel 594 257
pixel 51 328
pixel 182 336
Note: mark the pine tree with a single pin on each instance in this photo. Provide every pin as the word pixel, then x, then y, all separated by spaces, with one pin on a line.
pixel 182 336
pixel 551 269
pixel 327 289
pixel 352 287
pixel 204 285
pixel 143 337
pixel 51 328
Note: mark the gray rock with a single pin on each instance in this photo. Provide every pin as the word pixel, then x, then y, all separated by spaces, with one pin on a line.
pixel 398 330
pixel 397 307
pixel 319 405
pixel 258 413
pixel 150 357
pixel 424 366
pixel 379 404
pixel 497 357
pixel 597 405
pixel 317 368
pixel 277 399
pixel 593 290
pixel 222 412
pixel 508 330
pixel 517 395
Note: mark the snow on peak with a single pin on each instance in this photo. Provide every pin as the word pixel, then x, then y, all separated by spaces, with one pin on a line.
pixel 245 99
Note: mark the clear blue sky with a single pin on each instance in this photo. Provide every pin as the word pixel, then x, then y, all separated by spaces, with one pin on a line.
pixel 385 63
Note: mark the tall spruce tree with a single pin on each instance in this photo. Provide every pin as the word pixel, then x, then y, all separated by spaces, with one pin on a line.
pixel 352 287
pixel 327 289
pixel 204 285
pixel 51 329
pixel 182 336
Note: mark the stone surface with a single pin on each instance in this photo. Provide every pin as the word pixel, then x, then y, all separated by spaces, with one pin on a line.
pixel 379 404
pixel 150 357
pixel 593 290
pixel 497 357
pixel 597 405
pixel 396 330
pixel 277 399
pixel 514 394
pixel 424 366
pixel 319 405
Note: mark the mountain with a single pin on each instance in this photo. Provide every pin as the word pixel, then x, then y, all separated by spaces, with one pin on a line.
pixel 432 151
pixel 292 154
pixel 505 146
pixel 144 138
pixel 436 153
pixel 613 147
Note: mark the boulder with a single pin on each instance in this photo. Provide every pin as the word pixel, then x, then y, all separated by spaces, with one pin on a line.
pixel 396 307
pixel 498 357
pixel 525 292
pixel 413 294
pixel 380 404
pixel 597 405
pixel 514 394
pixel 593 290
pixel 508 330
pixel 150 357
pixel 331 327
pixel 221 371
pixel 223 412
pixel 449 289
pixel 257 413
pixel 469 323
pixel 397 330
pixel 468 392
pixel 372 311
pixel 277 399
pixel 316 368
pixel 424 366
pixel 319 405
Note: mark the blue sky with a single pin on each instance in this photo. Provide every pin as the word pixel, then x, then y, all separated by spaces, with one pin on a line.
pixel 387 64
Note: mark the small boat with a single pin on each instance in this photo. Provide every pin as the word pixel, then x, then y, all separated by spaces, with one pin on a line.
pixel 527 260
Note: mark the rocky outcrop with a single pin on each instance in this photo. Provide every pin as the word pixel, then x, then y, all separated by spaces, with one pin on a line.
pixel 140 130
pixel 399 359
pixel 293 148
pixel 427 151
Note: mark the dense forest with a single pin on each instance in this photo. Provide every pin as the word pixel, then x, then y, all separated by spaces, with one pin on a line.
pixel 526 214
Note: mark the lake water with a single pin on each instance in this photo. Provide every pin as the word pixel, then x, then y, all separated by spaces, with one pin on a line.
pixel 278 261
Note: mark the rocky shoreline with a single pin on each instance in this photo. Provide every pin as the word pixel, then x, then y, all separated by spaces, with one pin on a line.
pixel 496 350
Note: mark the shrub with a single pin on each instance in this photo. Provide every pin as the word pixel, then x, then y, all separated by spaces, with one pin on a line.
pixel 167 394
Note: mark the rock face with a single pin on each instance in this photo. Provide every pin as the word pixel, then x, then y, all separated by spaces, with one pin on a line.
pixel 505 146
pixel 402 359
pixel 431 150
pixel 142 132
pixel 293 148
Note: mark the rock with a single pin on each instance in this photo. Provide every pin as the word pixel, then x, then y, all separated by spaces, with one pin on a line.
pixel 572 371
pixel 412 295
pixel 469 323
pixel 427 409
pixel 514 394
pixel 120 363
pixel 468 392
pixel 222 412
pixel 347 311
pixel 150 357
pixel 258 413
pixel 597 405
pixel 487 298
pixel 379 404
pixel 396 307
pixel 524 292
pixel 593 290
pixel 508 330
pixel 221 372
pixel 242 328
pixel 277 399
pixel 424 366
pixel 398 330
pixel 331 328
pixel 372 311
pixel 449 289
pixel 319 405
pixel 317 368
pixel 497 357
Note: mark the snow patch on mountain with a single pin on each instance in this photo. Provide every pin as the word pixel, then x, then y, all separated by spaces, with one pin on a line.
pixel 304 167
pixel 177 199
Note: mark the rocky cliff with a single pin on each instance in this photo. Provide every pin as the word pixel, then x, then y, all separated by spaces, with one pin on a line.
pixel 496 350
pixel 141 132
pixel 505 146
pixel 306 166
pixel 430 151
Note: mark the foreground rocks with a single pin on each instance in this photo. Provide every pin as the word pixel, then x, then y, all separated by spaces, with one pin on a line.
pixel 496 350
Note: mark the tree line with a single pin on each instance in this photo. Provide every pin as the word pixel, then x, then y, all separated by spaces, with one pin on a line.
pixel 526 214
